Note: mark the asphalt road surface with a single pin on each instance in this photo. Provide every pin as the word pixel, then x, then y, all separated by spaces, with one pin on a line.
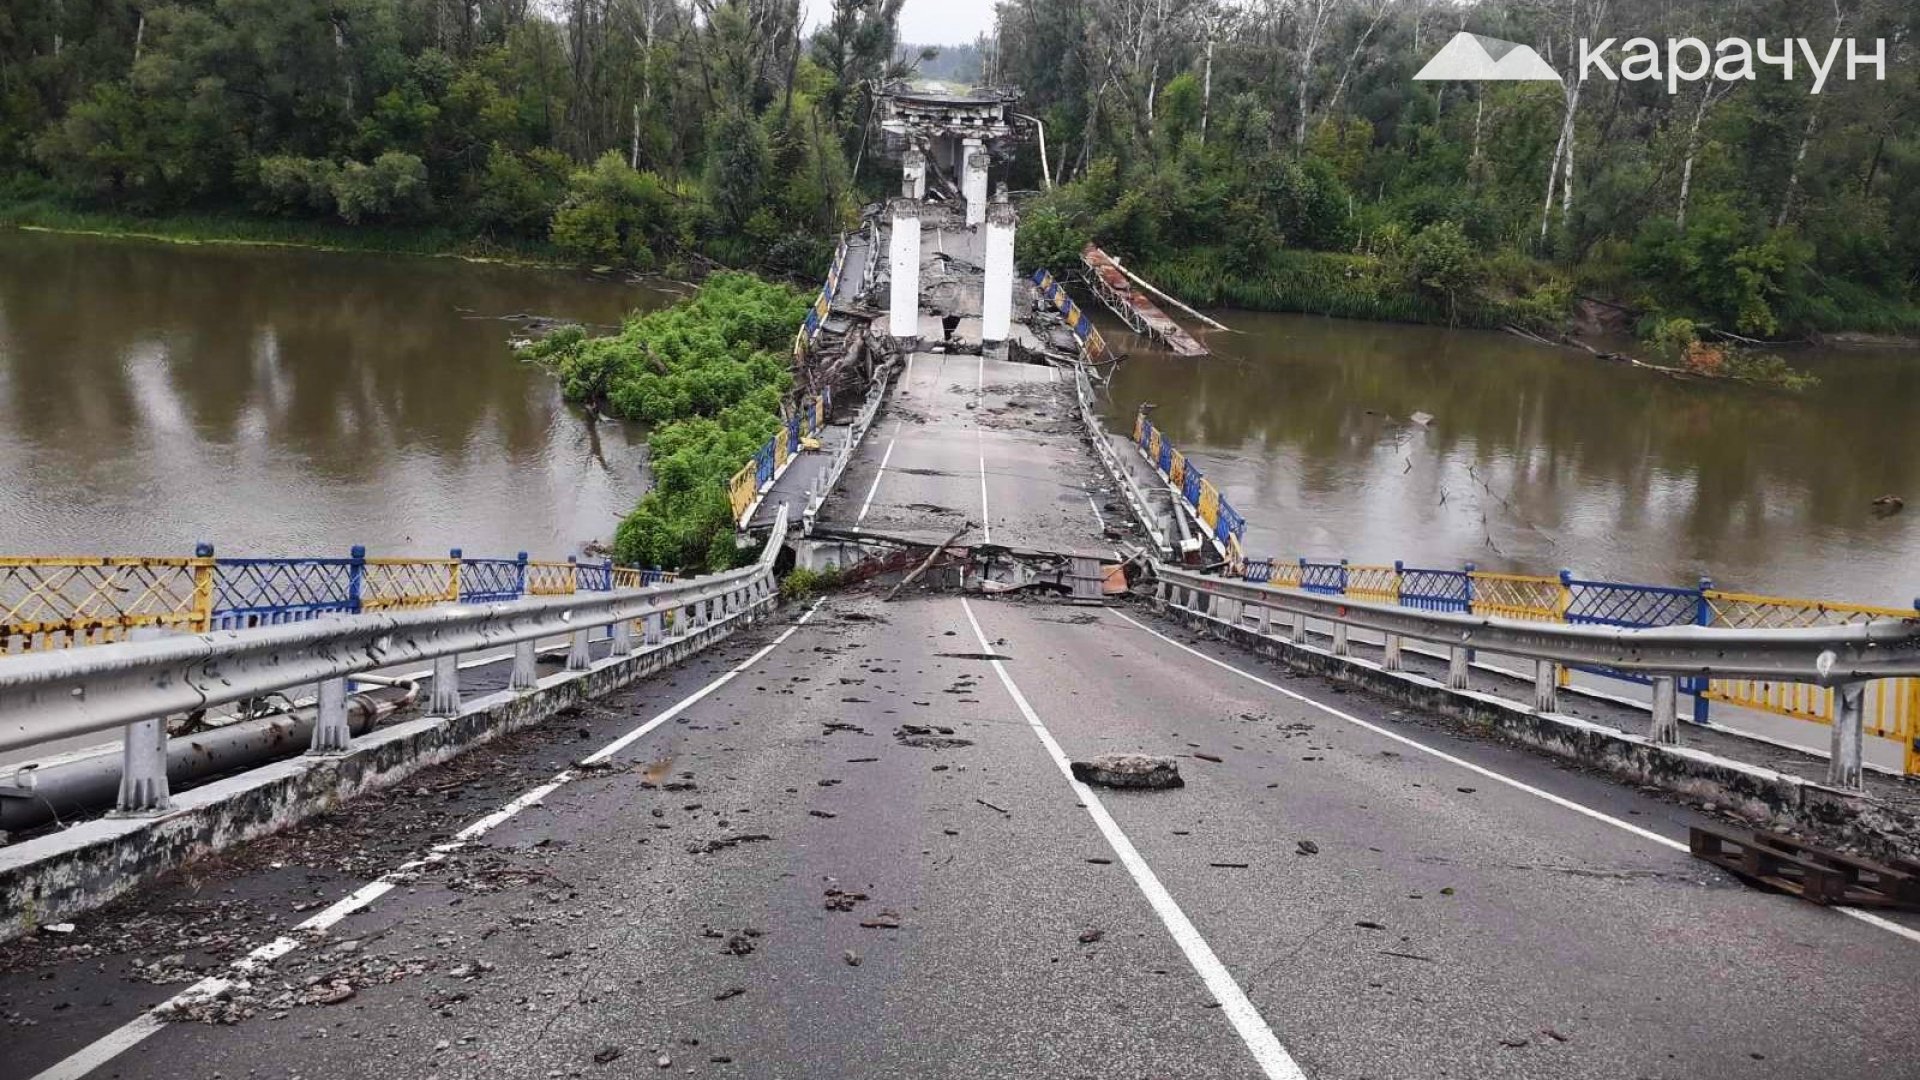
pixel 776 861
pixel 963 438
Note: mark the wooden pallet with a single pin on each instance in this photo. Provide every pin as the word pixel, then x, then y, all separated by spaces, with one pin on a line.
pixel 1813 873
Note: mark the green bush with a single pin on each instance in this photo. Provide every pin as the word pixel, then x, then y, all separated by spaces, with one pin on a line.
pixel 805 584
pixel 711 373
pixel 616 216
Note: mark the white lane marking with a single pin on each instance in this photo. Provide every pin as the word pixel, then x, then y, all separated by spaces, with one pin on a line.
pixel 979 440
pixel 884 458
pixel 1097 515
pixel 126 1037
pixel 1480 770
pixel 1273 1059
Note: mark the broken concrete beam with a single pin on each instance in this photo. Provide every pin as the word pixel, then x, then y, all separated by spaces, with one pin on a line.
pixel 1129 771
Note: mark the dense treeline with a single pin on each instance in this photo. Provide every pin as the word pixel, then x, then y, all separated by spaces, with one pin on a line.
pixel 642 133
pixel 1221 143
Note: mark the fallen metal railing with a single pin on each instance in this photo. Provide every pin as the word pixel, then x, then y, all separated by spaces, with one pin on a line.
pixel 1844 657
pixel 135 685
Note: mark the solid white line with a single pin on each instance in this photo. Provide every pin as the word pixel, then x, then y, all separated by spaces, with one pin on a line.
pixel 1482 771
pixel 884 458
pixel 136 1031
pixel 1273 1059
pixel 1097 515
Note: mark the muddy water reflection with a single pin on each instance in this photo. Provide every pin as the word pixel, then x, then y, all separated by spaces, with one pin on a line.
pixel 1541 458
pixel 275 401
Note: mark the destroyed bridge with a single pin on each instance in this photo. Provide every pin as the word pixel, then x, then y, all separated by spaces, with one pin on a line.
pixel 1062 782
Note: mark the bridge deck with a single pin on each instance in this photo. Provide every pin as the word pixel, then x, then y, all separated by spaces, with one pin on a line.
pixel 1451 923
pixel 965 438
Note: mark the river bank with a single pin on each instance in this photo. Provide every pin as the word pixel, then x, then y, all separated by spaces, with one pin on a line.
pixel 52 216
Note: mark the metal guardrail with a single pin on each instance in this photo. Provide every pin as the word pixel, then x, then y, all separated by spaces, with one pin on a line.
pixel 59 602
pixel 1842 657
pixel 843 455
pixel 1143 510
pixel 136 684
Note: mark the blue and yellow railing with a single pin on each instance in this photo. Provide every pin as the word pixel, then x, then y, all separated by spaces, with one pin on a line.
pixel 753 480
pixel 59 602
pixel 1093 347
pixel 1223 523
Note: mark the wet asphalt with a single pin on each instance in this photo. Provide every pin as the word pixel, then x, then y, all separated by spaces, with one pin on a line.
pixel 781 882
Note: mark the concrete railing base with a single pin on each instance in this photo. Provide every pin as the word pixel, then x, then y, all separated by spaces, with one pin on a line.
pixel 1755 793
pixel 52 878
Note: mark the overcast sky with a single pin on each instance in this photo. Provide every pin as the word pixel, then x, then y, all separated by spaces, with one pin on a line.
pixel 930 22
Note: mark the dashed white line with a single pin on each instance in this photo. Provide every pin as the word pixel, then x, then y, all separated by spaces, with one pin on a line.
pixel 1273 1059
pixel 979 440
pixel 1482 771
pixel 137 1030
pixel 884 458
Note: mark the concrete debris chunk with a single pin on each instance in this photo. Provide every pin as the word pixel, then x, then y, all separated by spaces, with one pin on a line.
pixel 1129 771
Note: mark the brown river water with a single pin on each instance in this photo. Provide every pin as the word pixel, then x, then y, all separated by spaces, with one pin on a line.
pixel 291 402
pixel 1539 458
pixel 279 402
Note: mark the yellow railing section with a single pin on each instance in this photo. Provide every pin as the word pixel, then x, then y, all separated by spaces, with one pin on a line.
pixel 1520 596
pixel 52 603
pixel 552 579
pixel 742 487
pixel 1891 707
pixel 1381 583
pixel 409 583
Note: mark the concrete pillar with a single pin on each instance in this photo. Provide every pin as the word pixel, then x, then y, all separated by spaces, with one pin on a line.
pixel 1457 677
pixel 1340 639
pixel 1666 710
pixel 526 667
pixel 330 732
pixel 903 263
pixel 996 302
pixel 656 631
pixel 1843 768
pixel 446 687
pixel 973 181
pixel 1390 655
pixel 580 655
pixel 913 174
pixel 143 767
pixel 1546 686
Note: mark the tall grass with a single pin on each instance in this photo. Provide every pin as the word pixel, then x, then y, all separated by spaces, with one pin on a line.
pixel 236 228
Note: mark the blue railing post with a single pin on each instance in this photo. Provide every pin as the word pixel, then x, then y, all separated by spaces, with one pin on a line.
pixel 520 575
pixel 1399 583
pixel 1343 577
pixel 356 577
pixel 573 571
pixel 606 568
pixel 1702 616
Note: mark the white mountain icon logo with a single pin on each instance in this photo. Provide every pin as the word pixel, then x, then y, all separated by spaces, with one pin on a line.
pixel 1478 58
